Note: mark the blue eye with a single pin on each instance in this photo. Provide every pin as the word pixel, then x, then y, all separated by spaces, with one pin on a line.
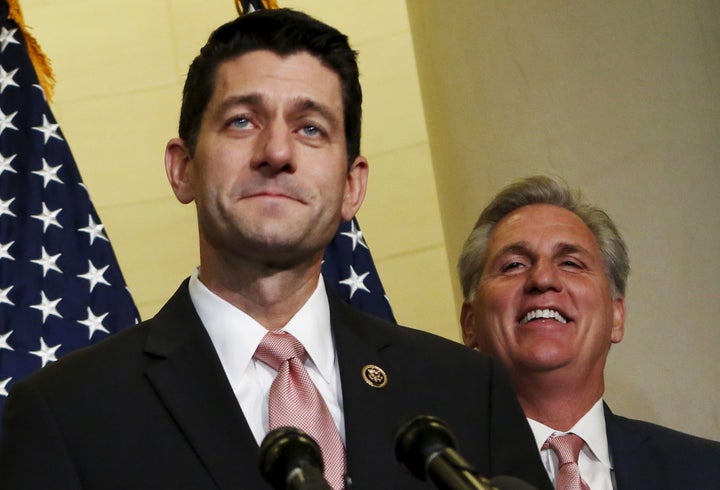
pixel 311 130
pixel 240 122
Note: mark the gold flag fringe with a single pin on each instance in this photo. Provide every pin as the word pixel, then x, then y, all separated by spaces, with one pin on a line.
pixel 40 61
pixel 268 4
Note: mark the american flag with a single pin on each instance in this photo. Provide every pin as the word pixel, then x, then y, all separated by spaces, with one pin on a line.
pixel 348 268
pixel 60 284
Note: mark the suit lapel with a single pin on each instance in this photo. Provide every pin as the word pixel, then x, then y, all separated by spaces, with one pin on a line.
pixel 635 465
pixel 370 412
pixel 189 379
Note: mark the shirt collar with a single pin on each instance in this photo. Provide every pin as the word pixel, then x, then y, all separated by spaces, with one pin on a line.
pixel 591 427
pixel 236 335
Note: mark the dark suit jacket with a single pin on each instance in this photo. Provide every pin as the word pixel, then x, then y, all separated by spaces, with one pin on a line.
pixel 648 456
pixel 151 408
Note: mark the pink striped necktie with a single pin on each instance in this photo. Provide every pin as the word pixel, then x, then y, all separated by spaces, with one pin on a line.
pixel 567 448
pixel 296 402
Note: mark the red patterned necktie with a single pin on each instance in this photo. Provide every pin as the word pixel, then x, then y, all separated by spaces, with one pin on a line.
pixel 296 402
pixel 567 448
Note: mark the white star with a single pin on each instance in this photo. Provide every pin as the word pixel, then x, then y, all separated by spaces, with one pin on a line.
pixel 48 262
pixel 6 79
pixel 7 37
pixel 48 173
pixel 3 386
pixel 48 307
pixel 6 121
pixel 48 217
pixel 94 323
pixel 48 130
pixel 5 163
pixel 95 230
pixel 5 207
pixel 355 282
pixel 356 235
pixel 5 250
pixel 3 341
pixel 4 296
pixel 94 275
pixel 47 354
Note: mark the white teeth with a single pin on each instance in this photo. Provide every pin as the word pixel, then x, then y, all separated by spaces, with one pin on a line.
pixel 546 313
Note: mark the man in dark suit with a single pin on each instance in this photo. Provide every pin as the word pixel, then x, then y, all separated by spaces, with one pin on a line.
pixel 543 276
pixel 268 151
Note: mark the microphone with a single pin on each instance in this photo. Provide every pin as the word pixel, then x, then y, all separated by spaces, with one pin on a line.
pixel 426 448
pixel 291 460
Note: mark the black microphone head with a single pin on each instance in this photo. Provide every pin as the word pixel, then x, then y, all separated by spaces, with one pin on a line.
pixel 420 438
pixel 285 449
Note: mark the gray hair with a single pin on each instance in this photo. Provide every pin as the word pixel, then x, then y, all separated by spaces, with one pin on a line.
pixel 540 189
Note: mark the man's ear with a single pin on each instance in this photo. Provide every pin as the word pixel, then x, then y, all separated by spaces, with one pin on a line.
pixel 355 187
pixel 618 328
pixel 467 323
pixel 178 167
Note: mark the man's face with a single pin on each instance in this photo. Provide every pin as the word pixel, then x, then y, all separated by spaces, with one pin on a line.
pixel 270 174
pixel 543 301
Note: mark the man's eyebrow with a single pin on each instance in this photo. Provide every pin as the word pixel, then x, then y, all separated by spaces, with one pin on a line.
pixel 570 248
pixel 304 105
pixel 236 100
pixel 518 248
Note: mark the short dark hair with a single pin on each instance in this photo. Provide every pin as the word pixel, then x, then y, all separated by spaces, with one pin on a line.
pixel 541 189
pixel 283 32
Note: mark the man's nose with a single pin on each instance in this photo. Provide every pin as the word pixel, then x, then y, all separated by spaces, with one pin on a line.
pixel 543 276
pixel 274 149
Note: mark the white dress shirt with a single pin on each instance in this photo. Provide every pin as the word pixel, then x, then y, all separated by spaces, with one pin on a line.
pixel 236 336
pixel 594 460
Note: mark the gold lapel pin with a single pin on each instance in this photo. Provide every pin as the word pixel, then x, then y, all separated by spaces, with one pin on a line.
pixel 374 376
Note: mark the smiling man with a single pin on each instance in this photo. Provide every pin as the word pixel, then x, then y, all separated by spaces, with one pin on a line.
pixel 268 151
pixel 543 275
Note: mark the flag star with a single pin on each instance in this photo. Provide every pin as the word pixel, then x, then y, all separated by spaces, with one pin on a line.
pixel 3 386
pixel 5 207
pixel 48 262
pixel 4 296
pixel 94 323
pixel 356 235
pixel 5 163
pixel 47 306
pixel 48 217
pixel 355 282
pixel 47 354
pixel 6 121
pixel 5 250
pixel 95 230
pixel 48 129
pixel 48 173
pixel 95 275
pixel 6 79
pixel 7 37
pixel 3 341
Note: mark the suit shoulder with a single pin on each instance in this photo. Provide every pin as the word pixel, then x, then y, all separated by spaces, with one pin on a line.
pixel 662 436
pixel 416 343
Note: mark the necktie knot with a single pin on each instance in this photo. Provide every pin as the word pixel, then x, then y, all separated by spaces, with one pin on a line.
pixel 278 347
pixel 567 448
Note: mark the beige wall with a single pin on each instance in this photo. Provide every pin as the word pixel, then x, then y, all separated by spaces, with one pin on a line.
pixel 120 65
pixel 621 98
